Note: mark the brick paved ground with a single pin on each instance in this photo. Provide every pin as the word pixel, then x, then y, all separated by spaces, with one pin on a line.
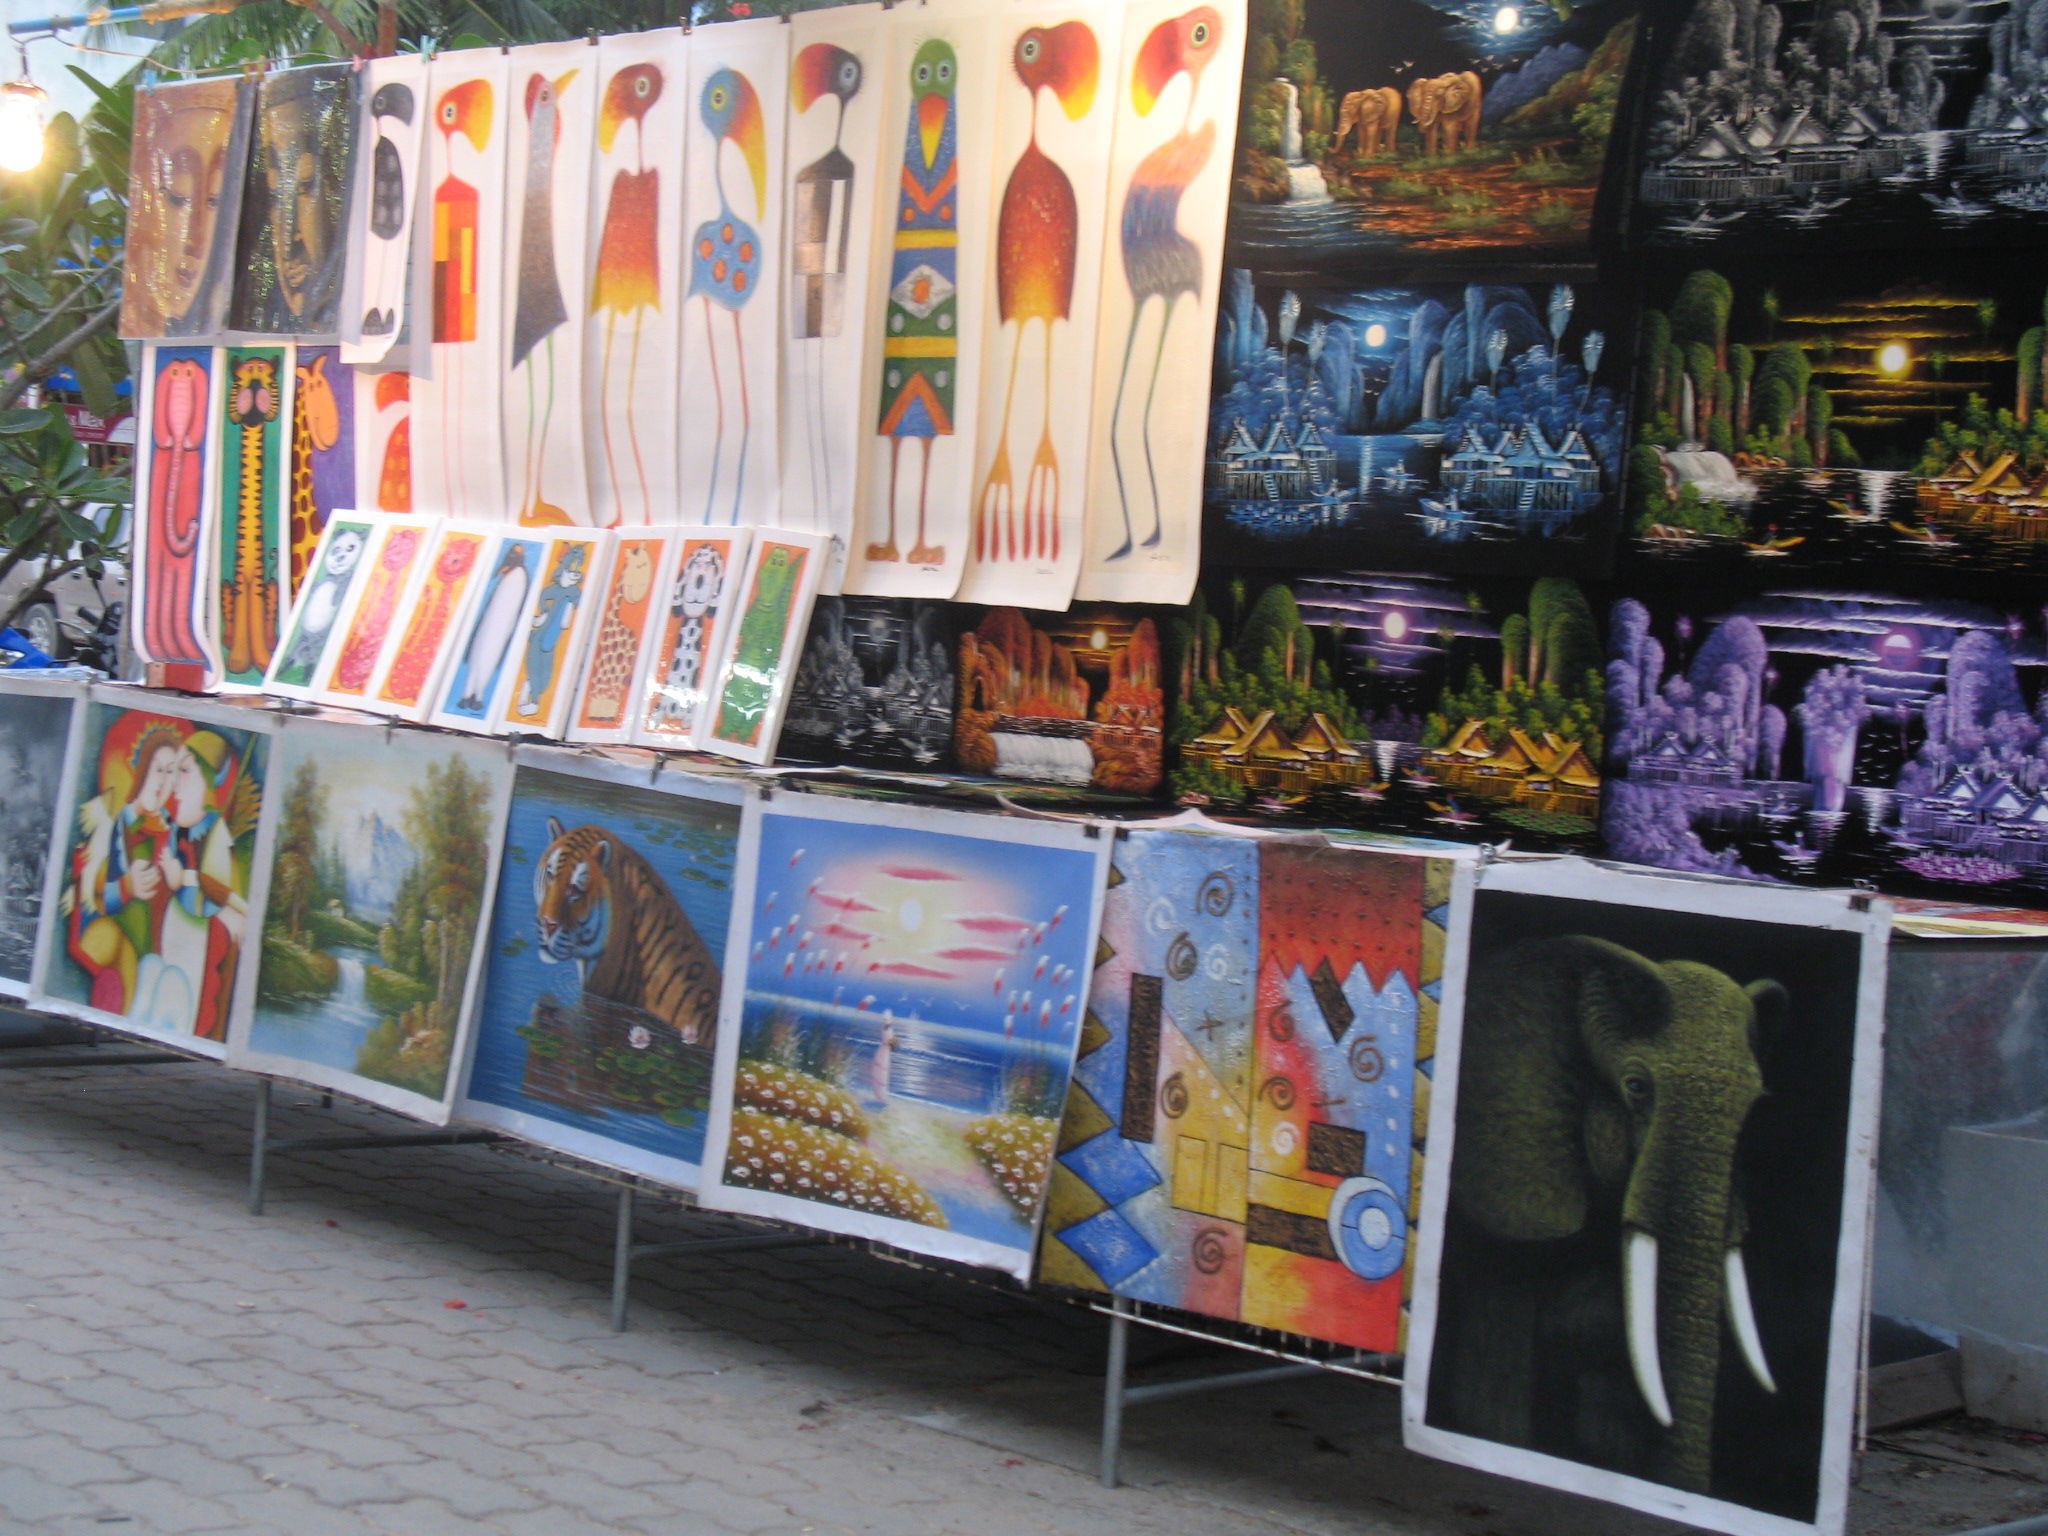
pixel 170 1364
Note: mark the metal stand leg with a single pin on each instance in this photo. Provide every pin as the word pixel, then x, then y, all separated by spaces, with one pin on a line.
pixel 622 1259
pixel 1113 1393
pixel 259 1146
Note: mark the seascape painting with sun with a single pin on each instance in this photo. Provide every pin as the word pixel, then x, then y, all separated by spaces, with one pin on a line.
pixel 1444 129
pixel 1803 416
pixel 1835 737
pixel 1464 709
pixel 896 1063
pixel 1474 426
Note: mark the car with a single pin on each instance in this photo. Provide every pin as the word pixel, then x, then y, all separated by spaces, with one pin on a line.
pixel 63 609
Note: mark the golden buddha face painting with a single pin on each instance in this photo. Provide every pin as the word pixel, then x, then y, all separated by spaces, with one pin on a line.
pixel 186 192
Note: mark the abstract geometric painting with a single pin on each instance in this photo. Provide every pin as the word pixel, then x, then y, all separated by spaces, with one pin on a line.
pixel 153 910
pixel 254 463
pixel 893 1060
pixel 1052 152
pixel 732 328
pixel 598 1016
pixel 834 160
pixel 377 879
pixel 1245 1121
pixel 294 241
pixel 1646 1207
pixel 1161 278
pixel 547 172
pixel 185 200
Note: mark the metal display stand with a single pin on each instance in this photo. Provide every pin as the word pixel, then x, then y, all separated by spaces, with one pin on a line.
pixel 1118 1395
pixel 261 1145
pixel 626 1253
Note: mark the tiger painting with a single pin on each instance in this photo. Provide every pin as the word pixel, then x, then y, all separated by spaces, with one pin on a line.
pixel 601 905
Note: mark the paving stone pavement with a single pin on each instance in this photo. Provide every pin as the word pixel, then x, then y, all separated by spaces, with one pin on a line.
pixel 169 1364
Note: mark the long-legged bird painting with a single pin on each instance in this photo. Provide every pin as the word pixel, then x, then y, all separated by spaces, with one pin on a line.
pixel 467 167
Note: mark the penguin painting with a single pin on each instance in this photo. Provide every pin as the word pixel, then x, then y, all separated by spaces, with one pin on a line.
pixel 384 275
pixel 497 625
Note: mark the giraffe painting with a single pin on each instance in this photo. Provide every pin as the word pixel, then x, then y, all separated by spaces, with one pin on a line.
pixel 323 449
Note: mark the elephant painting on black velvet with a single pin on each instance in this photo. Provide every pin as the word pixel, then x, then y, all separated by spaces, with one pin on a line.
pixel 1646 1195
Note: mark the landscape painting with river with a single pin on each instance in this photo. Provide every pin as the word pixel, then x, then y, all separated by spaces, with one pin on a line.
pixel 1828 416
pixel 379 884
pixel 1445 129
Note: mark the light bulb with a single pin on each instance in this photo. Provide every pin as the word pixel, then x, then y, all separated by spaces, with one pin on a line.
pixel 21 126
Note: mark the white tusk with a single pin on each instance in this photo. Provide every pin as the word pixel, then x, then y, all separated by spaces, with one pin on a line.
pixel 1742 1318
pixel 1639 1304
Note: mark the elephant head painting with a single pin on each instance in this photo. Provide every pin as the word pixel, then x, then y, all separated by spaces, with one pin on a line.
pixel 1649 1163
pixel 1446 112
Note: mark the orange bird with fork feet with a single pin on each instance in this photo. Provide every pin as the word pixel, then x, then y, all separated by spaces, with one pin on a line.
pixel 1036 234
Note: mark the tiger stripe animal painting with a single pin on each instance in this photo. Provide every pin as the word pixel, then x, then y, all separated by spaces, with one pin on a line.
pixel 599 1010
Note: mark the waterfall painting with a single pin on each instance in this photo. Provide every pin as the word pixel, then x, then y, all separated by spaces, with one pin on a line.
pixel 1833 737
pixel 598 1012
pixel 1646 1211
pixel 875 687
pixel 1453 130
pixel 1886 124
pixel 1242 1136
pixel 1474 427
pixel 1831 415
pixel 905 997
pixel 1072 699
pixel 1453 708
pixel 375 887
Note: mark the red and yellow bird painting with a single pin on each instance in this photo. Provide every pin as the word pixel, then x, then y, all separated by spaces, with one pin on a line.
pixel 464 110
pixel 626 288
pixel 1037 232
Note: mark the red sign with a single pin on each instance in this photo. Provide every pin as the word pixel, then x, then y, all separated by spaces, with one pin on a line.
pixel 88 428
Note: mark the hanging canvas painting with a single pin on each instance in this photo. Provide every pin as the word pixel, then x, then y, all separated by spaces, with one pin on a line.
pixel 323 450
pixel 482 649
pixel 1052 154
pixel 255 463
pixel 628 623
pixel 1177 94
pixel 1832 736
pixel 379 865
pixel 185 207
pixel 878 1071
pixel 461 255
pixel 632 344
pixel 145 921
pixel 294 241
pixel 748 691
pixel 556 629
pixel 1646 1206
pixel 415 664
pixel 1441 132
pixel 876 686
pixel 1478 427
pixel 178 437
pixel 313 632
pixel 835 155
pixel 1831 414
pixel 1243 1131
pixel 706 574
pixel 729 436
pixel 391 120
pixel 547 176
pixel 1777 129
pixel 1070 699
pixel 39 719
pixel 925 303
pixel 598 1017
pixel 392 568
pixel 383 440
pixel 1453 708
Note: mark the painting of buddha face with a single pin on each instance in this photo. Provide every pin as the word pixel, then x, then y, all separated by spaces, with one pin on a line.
pixel 288 282
pixel 190 140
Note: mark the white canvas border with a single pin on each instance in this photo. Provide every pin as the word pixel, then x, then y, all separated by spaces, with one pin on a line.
pixel 912 1237
pixel 1577 879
